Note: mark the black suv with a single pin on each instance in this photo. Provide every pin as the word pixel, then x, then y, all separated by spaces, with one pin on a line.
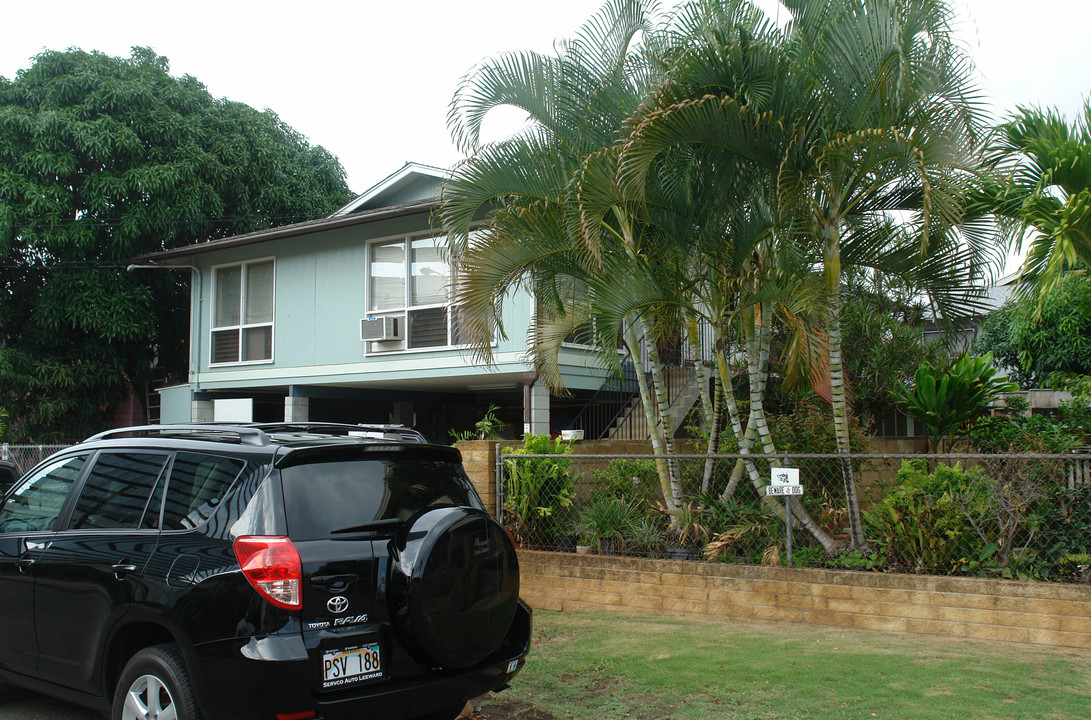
pixel 279 572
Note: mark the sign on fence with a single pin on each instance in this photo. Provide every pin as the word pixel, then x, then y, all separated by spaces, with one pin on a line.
pixel 784 481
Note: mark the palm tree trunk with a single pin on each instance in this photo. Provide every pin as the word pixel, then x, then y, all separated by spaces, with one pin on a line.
pixel 758 367
pixel 663 415
pixel 709 402
pixel 838 394
pixel 635 347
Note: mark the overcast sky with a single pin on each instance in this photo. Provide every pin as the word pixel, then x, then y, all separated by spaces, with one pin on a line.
pixel 370 81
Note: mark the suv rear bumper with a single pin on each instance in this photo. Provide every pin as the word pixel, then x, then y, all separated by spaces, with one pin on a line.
pixel 233 684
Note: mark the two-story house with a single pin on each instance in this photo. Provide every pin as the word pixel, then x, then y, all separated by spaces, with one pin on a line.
pixel 348 319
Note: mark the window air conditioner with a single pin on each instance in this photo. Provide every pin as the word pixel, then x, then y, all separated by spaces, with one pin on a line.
pixel 381 328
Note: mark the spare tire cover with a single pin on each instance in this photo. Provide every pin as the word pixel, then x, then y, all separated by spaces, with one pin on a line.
pixel 454 585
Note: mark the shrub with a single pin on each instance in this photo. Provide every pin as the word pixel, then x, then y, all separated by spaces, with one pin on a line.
pixel 629 479
pixel 1015 432
pixel 537 491
pixel 1064 534
pixel 927 523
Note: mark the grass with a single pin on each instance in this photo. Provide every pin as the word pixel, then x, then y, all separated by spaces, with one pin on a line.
pixel 601 665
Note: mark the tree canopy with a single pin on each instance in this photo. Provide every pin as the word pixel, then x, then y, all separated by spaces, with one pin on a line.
pixel 1032 337
pixel 103 159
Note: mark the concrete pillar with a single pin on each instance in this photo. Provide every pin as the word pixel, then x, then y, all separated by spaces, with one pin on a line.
pixel 536 414
pixel 297 409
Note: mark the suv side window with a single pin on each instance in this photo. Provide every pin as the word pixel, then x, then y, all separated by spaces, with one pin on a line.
pixel 117 491
pixel 38 502
pixel 197 484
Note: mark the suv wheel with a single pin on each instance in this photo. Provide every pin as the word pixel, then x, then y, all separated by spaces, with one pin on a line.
pixel 154 685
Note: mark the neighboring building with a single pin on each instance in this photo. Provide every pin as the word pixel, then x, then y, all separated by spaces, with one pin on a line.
pixel 347 319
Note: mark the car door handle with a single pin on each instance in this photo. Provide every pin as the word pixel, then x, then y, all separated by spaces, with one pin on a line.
pixel 31 545
pixel 122 569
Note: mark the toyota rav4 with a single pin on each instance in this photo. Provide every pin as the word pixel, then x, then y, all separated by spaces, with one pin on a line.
pixel 273 572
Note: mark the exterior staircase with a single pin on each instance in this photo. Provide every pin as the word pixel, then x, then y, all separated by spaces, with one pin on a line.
pixel 684 392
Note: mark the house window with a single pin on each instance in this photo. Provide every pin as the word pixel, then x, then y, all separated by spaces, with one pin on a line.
pixel 242 315
pixel 408 279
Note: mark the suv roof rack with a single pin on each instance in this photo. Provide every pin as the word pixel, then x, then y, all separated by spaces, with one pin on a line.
pixel 211 431
pixel 341 429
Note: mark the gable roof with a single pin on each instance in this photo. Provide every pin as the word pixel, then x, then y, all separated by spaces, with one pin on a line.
pixel 411 182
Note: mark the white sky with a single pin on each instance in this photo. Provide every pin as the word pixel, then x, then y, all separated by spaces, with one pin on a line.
pixel 370 80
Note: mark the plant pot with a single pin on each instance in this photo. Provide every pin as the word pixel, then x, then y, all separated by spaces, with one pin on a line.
pixel 584 550
pixel 566 543
pixel 681 553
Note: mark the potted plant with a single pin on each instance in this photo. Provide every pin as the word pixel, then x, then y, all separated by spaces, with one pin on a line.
pixel 686 534
pixel 608 519
pixel 585 538
pixel 646 536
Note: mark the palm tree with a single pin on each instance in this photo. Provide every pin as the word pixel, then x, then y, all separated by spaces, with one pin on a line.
pixel 525 188
pixel 864 120
pixel 1044 188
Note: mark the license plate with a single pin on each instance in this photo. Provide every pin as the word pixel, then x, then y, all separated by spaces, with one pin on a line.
pixel 351 665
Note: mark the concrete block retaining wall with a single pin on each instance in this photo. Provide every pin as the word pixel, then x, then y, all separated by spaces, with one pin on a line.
pixel 1021 612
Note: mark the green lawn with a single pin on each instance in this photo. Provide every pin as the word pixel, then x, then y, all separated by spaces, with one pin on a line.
pixel 601 665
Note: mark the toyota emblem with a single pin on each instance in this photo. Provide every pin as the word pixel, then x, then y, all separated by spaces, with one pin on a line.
pixel 337 604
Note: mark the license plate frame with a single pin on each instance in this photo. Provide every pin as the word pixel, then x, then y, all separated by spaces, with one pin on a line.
pixel 346 666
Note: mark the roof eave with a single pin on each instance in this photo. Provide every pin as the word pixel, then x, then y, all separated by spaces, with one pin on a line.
pixel 169 257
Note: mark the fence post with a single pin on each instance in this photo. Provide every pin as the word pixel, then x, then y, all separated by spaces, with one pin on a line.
pixel 499 484
pixel 4 451
pixel 787 520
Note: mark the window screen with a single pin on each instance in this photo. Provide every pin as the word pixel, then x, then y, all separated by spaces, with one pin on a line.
pixel 197 484
pixel 117 491
pixel 242 319
pixel 387 270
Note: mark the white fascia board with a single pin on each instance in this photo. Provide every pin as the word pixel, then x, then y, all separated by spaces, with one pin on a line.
pixel 410 168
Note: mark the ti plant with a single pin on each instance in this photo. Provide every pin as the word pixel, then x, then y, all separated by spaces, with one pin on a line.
pixel 945 400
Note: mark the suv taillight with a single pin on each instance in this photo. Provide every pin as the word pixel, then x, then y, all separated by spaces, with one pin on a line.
pixel 272 566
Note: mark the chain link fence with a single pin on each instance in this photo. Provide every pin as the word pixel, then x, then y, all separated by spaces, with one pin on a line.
pixel 1012 516
pixel 27 456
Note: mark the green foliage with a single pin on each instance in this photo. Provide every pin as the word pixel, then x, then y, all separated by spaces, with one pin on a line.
pixel 807 429
pixel 607 520
pixel 629 479
pixel 687 528
pixel 740 527
pixel 538 492
pixel 1064 533
pixel 1034 337
pixel 1015 432
pixel 812 556
pixel 487 428
pixel 882 346
pixel 645 536
pixel 926 524
pixel 945 400
pixel 1043 196
pixel 103 159
pixel 1075 383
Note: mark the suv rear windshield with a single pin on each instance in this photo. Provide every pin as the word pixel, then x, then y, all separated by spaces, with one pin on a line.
pixel 323 499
